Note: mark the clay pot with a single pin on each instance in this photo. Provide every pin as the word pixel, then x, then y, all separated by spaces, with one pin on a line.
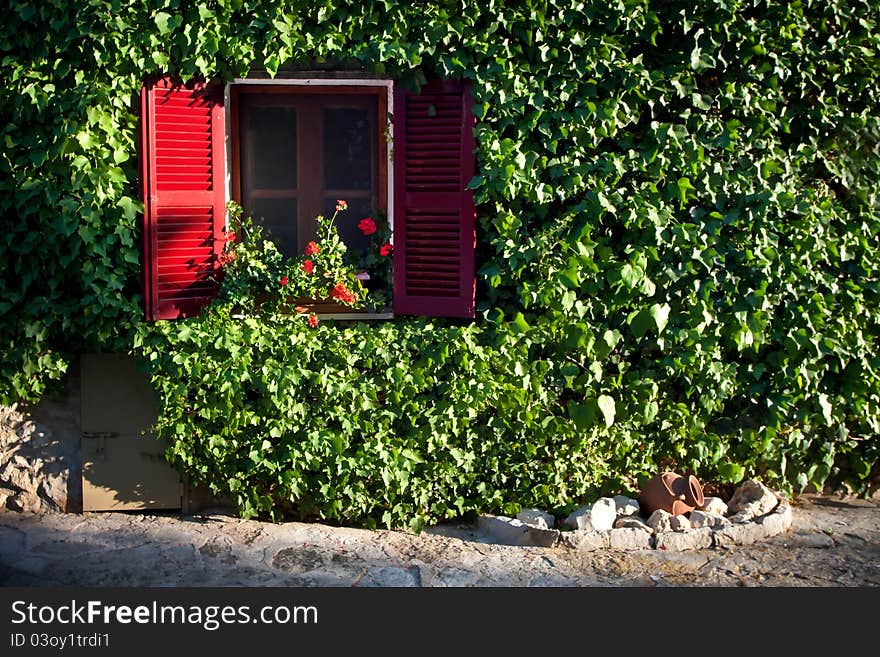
pixel 671 492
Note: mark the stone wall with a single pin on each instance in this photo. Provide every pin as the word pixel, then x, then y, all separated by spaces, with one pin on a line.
pixel 40 462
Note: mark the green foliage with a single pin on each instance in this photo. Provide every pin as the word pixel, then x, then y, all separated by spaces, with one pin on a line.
pixel 678 250
pixel 397 422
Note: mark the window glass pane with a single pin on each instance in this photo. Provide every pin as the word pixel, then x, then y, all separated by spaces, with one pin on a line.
pixel 347 222
pixel 278 217
pixel 348 156
pixel 270 144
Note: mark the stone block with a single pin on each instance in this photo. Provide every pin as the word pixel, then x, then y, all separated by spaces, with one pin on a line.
pixel 629 538
pixel 510 531
pixel 585 540
pixel 740 534
pixel 693 539
pixel 660 521
pixel 536 518
pixel 700 519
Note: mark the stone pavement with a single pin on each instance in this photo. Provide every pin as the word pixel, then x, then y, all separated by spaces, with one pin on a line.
pixel 833 542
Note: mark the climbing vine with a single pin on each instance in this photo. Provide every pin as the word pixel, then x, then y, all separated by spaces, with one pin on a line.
pixel 677 241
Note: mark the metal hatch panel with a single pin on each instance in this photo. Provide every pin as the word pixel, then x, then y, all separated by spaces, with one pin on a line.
pixel 123 463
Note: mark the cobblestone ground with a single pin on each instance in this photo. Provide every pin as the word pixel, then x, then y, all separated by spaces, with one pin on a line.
pixel 833 542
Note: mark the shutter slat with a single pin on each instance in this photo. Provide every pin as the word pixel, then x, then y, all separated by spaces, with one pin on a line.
pixel 184 196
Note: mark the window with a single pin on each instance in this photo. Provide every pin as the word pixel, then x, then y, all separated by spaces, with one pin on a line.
pixel 293 152
pixel 297 148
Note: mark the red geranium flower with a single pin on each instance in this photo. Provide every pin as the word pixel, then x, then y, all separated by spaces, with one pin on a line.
pixel 230 236
pixel 342 293
pixel 283 280
pixel 385 250
pixel 313 320
pixel 367 226
pixel 339 291
pixel 312 248
pixel 308 266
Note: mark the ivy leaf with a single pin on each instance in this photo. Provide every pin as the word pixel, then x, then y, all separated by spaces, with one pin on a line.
pixel 606 405
pixel 827 408
pixel 685 190
pixel 606 345
pixel 129 208
pixel 519 324
pixel 631 275
pixel 570 278
pixel 85 140
pixel 640 322
pixel 660 315
pixel 161 19
pixel 700 60
pixel 584 415
pixel 650 411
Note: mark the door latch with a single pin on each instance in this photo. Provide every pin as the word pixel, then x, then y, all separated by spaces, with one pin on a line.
pixel 101 437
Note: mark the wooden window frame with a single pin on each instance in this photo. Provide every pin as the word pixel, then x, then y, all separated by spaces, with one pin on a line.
pixel 382 89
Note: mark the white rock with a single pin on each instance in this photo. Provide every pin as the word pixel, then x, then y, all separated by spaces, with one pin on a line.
pixel 679 523
pixel 626 506
pixel 700 519
pixel 510 531
pixel 772 524
pixel 629 538
pixel 603 514
pixel 632 522
pixel 660 521
pixel 753 499
pixel 694 539
pixel 779 521
pixel 713 505
pixel 783 509
pixel 579 518
pixel 585 541
pixel 536 518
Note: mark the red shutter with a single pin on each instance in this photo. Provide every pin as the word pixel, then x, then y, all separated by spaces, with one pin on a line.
pixel 434 216
pixel 183 172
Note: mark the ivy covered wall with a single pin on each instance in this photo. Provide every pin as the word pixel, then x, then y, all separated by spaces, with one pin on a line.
pixel 677 251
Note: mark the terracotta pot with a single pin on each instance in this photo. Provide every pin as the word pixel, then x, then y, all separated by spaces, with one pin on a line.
pixel 671 492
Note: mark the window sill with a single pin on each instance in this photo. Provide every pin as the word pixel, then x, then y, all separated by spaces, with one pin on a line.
pixel 355 316
pixel 351 317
